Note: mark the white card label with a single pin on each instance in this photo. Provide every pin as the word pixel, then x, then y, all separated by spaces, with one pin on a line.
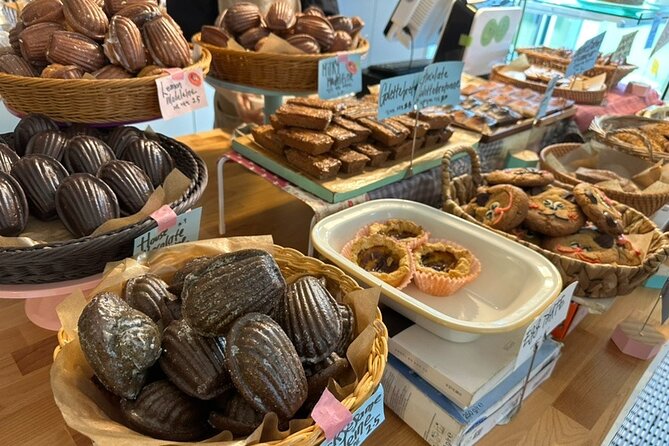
pixel 585 57
pixel 186 229
pixel 181 92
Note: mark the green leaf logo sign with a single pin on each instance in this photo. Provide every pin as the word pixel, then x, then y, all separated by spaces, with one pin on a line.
pixel 494 30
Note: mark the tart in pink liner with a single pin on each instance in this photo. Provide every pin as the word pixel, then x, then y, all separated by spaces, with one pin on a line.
pixel 383 257
pixel 404 231
pixel 442 267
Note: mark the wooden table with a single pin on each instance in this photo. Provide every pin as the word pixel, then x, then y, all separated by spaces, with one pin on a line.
pixel 576 406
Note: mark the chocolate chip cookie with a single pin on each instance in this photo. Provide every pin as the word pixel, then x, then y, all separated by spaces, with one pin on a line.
pixel 555 213
pixel 587 245
pixel 599 209
pixel 521 177
pixel 501 207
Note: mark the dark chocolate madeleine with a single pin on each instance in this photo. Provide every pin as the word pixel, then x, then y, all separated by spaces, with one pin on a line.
pixel 29 127
pixel 348 329
pixel 192 266
pixel 148 293
pixel 49 142
pixel 318 377
pixel 13 207
pixel 130 184
pixel 86 154
pixel 78 129
pixel 119 342
pixel 40 176
pixel 264 366
pixel 236 415
pixel 119 138
pixel 7 158
pixel 150 157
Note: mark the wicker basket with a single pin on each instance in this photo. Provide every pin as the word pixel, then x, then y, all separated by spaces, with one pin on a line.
pixel 542 56
pixel 647 204
pixel 578 96
pixel 90 101
pixel 606 127
pixel 594 281
pixel 291 263
pixel 270 71
pixel 82 257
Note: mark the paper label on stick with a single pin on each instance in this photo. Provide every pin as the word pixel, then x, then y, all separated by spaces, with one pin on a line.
pixel 186 228
pixel 543 105
pixel 550 318
pixel 662 40
pixel 365 420
pixel 339 76
pixel 624 47
pixel 397 95
pixel 181 92
pixel 585 57
pixel 440 84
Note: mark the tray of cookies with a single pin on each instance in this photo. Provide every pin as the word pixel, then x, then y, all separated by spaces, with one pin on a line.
pixel 440 271
pixel 644 137
pixel 608 247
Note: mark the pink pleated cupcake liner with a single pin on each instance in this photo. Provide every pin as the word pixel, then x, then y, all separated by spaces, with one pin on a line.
pixel 436 284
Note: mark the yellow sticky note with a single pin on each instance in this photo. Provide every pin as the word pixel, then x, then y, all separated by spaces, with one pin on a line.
pixel 655 67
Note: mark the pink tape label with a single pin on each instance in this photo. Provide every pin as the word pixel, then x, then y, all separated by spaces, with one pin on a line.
pixel 331 415
pixel 165 217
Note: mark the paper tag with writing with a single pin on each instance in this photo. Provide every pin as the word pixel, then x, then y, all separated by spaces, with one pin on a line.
pixel 186 229
pixel 543 105
pixel 181 92
pixel 624 47
pixel 397 94
pixel 339 76
pixel 662 40
pixel 585 57
pixel 545 323
pixel 365 420
pixel 440 84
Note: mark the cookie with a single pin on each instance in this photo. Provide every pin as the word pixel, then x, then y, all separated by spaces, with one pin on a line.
pixel 599 209
pixel 592 246
pixel 501 207
pixel 521 177
pixel 554 213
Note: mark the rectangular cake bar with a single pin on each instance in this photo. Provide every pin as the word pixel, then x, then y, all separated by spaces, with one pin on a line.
pixel 376 156
pixel 335 107
pixel 351 161
pixel 292 115
pixel 320 166
pixel 342 137
pixel 362 133
pixel 309 141
pixel 387 132
pixel 266 136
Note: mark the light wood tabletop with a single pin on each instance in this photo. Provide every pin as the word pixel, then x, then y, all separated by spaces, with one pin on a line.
pixel 576 406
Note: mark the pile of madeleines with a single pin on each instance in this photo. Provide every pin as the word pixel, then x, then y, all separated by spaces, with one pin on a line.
pixel 309 31
pixel 77 174
pixel 110 39
pixel 227 341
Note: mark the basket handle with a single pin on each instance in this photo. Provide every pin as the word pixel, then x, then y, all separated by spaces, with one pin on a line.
pixel 640 134
pixel 446 164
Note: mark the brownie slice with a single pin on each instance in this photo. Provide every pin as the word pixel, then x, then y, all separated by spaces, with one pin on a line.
pixel 351 161
pixel 421 127
pixel 309 141
pixel 335 107
pixel 387 132
pixel 266 136
pixel 375 155
pixel 404 150
pixel 320 166
pixel 436 117
pixel 360 110
pixel 342 137
pixel 274 121
pixel 306 117
pixel 362 133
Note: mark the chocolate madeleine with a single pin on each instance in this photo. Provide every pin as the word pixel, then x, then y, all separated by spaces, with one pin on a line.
pixel 123 44
pixel 358 24
pixel 281 15
pixel 120 137
pixel 348 329
pixel 140 13
pixel 130 184
pixel 7 158
pixel 86 17
pixel 67 48
pixel 119 343
pixel 317 27
pixel 192 266
pixel 151 158
pixel 341 23
pixel 167 46
pixel 79 129
pixel 314 10
pixel 162 411
pixel 16 65
pixel 40 176
pixel 111 72
pixel 342 42
pixel 58 71
pixel 112 7
pixel 34 41
pixel 215 36
pixel 319 375
pixel 29 127
pixel 14 36
pixel 148 293
pixel 86 154
pixel 236 416
pixel 251 37
pixel 194 363
pixel 13 207
pixel 264 366
pixel 305 43
pixel 309 316
pixel 230 286
pixel 49 142
pixel 241 17
pixel 38 11
pixel 84 202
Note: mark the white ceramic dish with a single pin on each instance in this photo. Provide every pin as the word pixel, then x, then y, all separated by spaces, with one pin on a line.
pixel 515 285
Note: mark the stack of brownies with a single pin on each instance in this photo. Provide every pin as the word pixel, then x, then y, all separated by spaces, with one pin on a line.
pixel 324 138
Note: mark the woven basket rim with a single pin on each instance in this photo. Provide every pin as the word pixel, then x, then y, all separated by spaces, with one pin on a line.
pixel 536 51
pixel 497 70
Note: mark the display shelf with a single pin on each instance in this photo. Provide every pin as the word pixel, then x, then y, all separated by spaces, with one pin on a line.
pixel 599 10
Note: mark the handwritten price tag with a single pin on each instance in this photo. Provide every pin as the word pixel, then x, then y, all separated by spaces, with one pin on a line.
pixel 624 47
pixel 365 420
pixel 181 92
pixel 545 323
pixel 339 75
pixel 186 229
pixel 397 94
pixel 543 105
pixel 585 57
pixel 440 84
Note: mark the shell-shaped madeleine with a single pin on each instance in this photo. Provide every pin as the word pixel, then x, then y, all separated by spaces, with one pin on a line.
pixel 86 154
pixel 241 17
pixel 49 142
pixel 29 127
pixel 342 41
pixel 281 15
pixel 119 343
pixel 40 176
pixel 123 44
pixel 215 36
pixel 341 23
pixel 166 44
pixel 13 207
pixel 358 24
pixel 112 7
pixel 264 366
pixel 148 293
pixel 111 72
pixel 319 375
pixel 119 138
pixel 14 36
pixel 348 329
pixel 305 42
pixel 130 184
pixel 34 41
pixel 309 316
pixel 68 48
pixel 58 71
pixel 194 363
pixel 38 11
pixel 84 202
pixel 317 27
pixel 162 411
pixel 7 158
pixel 231 285
pixel 140 13
pixel 250 37
pixel 192 266
pixel 79 129
pixel 86 17
pixel 151 158
pixel 235 415
pixel 314 10
pixel 16 65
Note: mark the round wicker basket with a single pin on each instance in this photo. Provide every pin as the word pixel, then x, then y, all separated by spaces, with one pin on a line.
pixel 89 101
pixel 607 127
pixel 270 71
pixel 293 262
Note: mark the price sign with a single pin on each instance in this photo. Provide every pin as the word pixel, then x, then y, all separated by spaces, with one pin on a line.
pixel 440 84
pixel 365 420
pixel 339 76
pixel 181 92
pixel 186 228
pixel 662 40
pixel 585 57
pixel 624 47
pixel 545 323
pixel 543 105
pixel 397 94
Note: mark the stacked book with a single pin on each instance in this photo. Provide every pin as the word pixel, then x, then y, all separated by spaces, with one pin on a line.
pixel 453 394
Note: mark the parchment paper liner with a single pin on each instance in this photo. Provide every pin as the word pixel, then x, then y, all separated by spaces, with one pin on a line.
pixel 440 284
pixel 84 406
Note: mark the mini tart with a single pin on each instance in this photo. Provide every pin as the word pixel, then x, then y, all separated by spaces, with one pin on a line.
pixel 404 231
pixel 442 268
pixel 383 257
